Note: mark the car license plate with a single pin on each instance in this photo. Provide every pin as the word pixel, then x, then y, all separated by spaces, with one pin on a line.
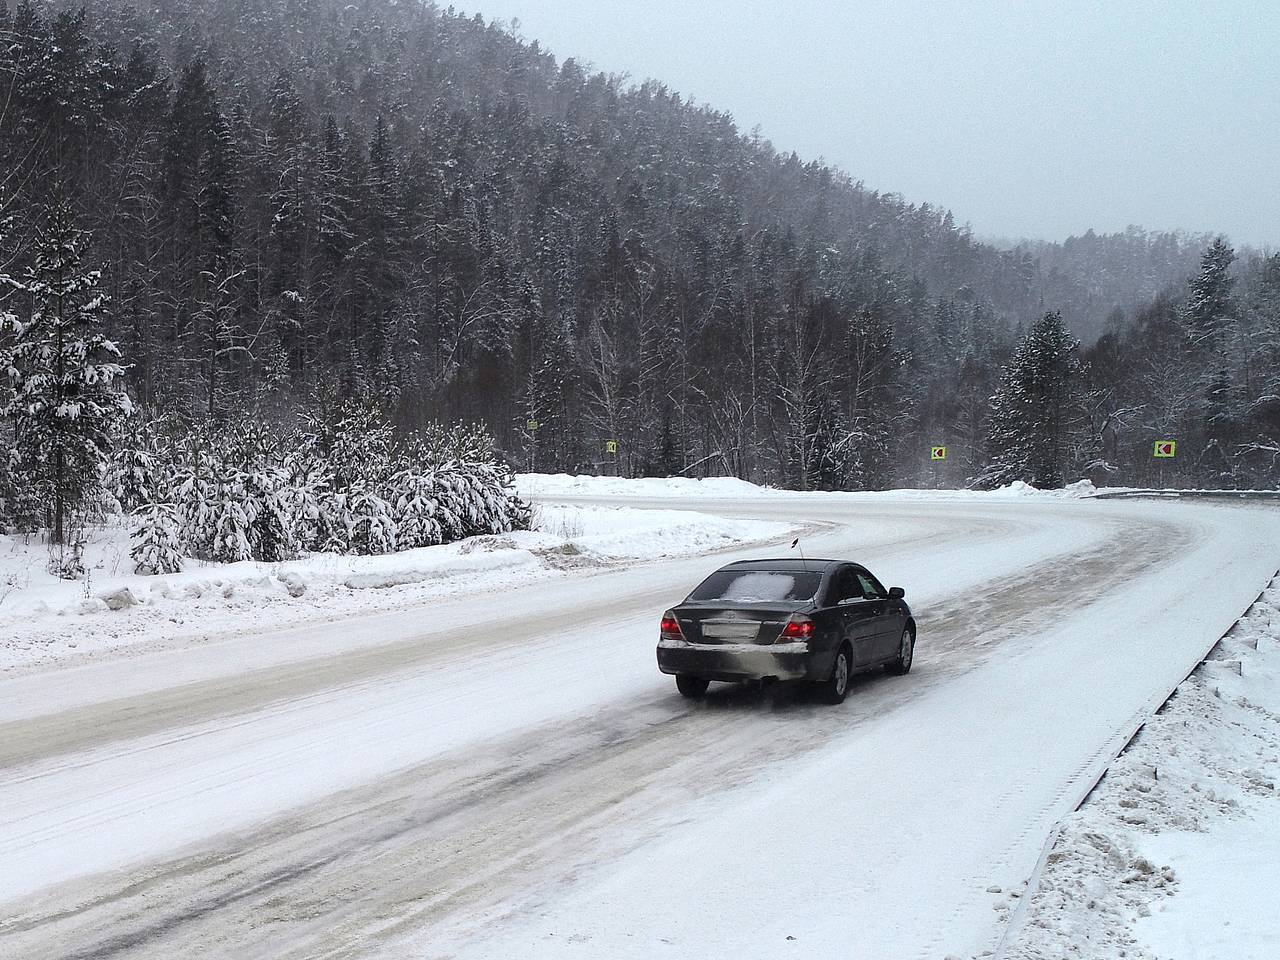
pixel 730 630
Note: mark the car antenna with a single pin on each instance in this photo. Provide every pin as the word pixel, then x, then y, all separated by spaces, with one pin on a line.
pixel 796 543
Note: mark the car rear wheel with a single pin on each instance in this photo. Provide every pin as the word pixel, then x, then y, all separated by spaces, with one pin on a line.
pixel 691 687
pixel 836 687
pixel 906 653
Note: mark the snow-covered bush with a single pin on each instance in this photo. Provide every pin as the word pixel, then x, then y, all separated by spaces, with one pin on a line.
pixel 417 510
pixel 226 535
pixel 310 504
pixel 344 483
pixel 437 444
pixel 156 539
pixel 271 504
pixel 371 523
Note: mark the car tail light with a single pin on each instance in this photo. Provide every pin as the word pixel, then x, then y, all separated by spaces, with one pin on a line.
pixel 670 627
pixel 799 627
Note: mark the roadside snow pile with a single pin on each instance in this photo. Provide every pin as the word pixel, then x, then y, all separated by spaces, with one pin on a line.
pixel 560 484
pixel 550 486
pixel 1177 853
pixel 44 618
pixel 1072 491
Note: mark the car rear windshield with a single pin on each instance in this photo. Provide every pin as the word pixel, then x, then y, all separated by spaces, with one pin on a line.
pixel 759 586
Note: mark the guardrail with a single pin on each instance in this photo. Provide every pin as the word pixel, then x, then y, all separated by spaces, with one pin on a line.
pixel 1188 494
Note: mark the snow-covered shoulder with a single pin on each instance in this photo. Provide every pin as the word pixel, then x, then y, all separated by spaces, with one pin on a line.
pixel 1177 852
pixel 43 618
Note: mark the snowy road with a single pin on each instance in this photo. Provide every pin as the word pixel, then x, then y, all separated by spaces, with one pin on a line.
pixel 509 776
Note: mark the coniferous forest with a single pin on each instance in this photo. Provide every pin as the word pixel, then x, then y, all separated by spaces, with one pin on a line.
pixel 230 226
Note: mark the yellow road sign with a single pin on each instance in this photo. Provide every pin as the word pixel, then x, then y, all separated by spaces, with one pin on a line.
pixel 938 453
pixel 1165 449
pixel 611 446
pixel 531 424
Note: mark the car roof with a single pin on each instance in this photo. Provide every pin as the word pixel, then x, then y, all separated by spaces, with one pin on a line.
pixel 810 564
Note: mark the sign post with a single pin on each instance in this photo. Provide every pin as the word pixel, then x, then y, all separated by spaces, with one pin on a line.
pixel 532 426
pixel 611 449
pixel 1164 450
pixel 937 454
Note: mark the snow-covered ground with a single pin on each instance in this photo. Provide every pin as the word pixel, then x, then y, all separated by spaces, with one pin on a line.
pixel 43 618
pixel 1176 855
pixel 503 772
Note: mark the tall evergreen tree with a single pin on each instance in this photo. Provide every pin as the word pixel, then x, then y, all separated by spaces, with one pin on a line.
pixel 1211 304
pixel 1033 412
pixel 66 401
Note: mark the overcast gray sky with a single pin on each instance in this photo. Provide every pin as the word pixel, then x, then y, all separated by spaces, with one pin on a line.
pixel 1025 117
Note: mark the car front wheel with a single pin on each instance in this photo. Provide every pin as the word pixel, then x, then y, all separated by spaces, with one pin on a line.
pixel 906 653
pixel 836 687
pixel 691 687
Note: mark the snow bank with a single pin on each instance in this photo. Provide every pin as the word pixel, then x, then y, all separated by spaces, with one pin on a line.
pixel 44 618
pixel 560 484
pixel 549 486
pixel 1177 853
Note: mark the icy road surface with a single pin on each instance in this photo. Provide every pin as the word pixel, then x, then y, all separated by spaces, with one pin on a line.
pixel 509 776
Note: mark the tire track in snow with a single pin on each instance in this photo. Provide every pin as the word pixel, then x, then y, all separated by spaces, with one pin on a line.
pixel 442 845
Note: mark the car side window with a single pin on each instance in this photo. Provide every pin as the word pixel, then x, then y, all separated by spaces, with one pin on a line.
pixel 844 586
pixel 871 586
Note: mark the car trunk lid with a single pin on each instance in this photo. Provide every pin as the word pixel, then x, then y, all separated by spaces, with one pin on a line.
pixel 742 623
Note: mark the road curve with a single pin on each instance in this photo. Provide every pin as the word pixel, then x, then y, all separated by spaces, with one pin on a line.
pixel 514 777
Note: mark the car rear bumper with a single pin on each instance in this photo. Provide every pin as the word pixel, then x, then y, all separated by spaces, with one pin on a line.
pixel 738 661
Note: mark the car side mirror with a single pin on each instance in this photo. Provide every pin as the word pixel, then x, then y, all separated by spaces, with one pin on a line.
pixel 896 593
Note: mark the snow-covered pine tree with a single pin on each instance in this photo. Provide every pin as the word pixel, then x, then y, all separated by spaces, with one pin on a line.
pixel 156 539
pixel 359 448
pixel 270 507
pixel 516 511
pixel 335 533
pixel 488 497
pixel 415 509
pixel 1033 412
pixel 311 504
pixel 195 492
pixel 141 470
pixel 230 521
pixel 8 490
pixel 9 462
pixel 63 373
pixel 1211 304
pixel 436 444
pixel 1260 454
pixel 372 524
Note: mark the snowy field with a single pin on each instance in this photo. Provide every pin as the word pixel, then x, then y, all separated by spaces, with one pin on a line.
pixel 43 618
pixel 485 762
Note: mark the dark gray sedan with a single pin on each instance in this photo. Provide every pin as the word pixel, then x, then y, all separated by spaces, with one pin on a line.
pixel 815 620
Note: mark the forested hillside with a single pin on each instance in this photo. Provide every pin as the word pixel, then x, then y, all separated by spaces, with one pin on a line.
pixel 295 203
